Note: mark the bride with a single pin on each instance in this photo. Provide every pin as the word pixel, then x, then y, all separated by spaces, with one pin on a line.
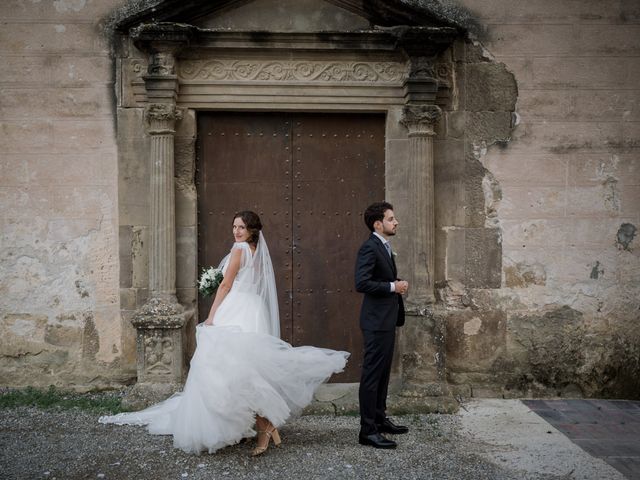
pixel 241 373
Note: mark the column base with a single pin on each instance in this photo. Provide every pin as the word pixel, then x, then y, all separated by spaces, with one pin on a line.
pixel 423 385
pixel 160 313
pixel 160 360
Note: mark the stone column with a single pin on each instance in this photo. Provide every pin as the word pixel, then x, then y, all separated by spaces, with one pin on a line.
pixel 161 119
pixel 422 341
pixel 419 120
pixel 159 323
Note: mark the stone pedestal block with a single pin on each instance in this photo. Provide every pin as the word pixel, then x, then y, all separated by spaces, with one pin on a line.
pixel 422 342
pixel 159 356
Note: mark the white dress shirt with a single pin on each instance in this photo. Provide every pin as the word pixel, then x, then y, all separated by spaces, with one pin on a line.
pixel 385 242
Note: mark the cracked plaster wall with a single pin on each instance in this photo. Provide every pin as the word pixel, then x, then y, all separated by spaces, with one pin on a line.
pixel 59 303
pixel 537 187
pixel 550 306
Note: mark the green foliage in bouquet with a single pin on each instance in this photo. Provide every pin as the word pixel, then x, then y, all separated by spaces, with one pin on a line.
pixel 210 280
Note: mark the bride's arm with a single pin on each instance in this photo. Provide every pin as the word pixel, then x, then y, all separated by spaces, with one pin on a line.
pixel 227 282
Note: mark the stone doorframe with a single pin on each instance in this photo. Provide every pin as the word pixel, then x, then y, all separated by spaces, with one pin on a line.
pixel 394 70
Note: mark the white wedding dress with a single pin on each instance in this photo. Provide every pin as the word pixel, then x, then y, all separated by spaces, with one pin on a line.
pixel 239 369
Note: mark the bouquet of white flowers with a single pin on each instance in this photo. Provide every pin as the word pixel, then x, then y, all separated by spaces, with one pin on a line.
pixel 210 280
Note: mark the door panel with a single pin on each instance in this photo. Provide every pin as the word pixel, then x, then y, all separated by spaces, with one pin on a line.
pixel 309 176
pixel 243 164
pixel 338 171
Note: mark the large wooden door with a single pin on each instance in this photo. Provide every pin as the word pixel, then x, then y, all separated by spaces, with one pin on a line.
pixel 309 177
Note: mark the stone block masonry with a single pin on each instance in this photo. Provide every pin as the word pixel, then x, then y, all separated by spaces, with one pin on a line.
pixel 536 189
pixel 60 305
pixel 568 183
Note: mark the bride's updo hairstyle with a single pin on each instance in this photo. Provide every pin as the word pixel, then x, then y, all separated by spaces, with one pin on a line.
pixel 253 223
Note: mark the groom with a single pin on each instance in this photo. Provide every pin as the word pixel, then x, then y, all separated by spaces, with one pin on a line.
pixel 382 310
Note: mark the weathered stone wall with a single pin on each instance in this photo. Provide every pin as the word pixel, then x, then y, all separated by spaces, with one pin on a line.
pixel 537 262
pixel 59 301
pixel 537 200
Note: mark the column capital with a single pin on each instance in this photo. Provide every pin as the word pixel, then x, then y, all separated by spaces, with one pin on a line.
pixel 162 111
pixel 420 119
pixel 161 118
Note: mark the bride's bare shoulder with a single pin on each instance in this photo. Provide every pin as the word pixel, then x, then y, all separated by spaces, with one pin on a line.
pixel 239 248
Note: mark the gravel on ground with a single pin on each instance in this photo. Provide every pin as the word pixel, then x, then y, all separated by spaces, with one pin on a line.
pixel 71 444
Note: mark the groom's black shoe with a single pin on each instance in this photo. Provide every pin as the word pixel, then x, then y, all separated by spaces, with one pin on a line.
pixel 387 426
pixel 376 440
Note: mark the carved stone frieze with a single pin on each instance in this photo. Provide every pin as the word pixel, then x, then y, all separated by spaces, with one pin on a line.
pixel 138 67
pixel 300 71
pixel 444 73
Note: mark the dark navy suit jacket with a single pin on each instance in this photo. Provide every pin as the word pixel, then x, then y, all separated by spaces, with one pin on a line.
pixel 381 309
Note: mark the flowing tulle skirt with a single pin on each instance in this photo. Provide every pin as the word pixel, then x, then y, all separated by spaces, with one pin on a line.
pixel 234 375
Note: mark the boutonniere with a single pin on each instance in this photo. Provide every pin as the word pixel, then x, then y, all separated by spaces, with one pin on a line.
pixel 394 254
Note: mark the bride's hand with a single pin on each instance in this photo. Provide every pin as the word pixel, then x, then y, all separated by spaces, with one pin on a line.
pixel 209 321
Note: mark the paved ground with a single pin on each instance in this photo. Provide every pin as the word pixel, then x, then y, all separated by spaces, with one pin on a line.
pixel 489 439
pixel 607 429
pixel 518 438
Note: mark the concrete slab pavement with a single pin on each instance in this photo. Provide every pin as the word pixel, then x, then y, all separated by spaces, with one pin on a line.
pixel 517 438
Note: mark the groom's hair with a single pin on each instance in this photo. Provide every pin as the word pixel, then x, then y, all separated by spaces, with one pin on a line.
pixel 375 212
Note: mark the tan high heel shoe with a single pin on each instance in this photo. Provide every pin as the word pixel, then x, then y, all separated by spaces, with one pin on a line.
pixel 271 434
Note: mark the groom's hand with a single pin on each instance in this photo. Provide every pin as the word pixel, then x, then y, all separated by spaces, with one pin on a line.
pixel 402 287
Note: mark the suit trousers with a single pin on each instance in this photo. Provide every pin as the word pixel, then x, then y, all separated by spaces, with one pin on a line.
pixel 374 382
